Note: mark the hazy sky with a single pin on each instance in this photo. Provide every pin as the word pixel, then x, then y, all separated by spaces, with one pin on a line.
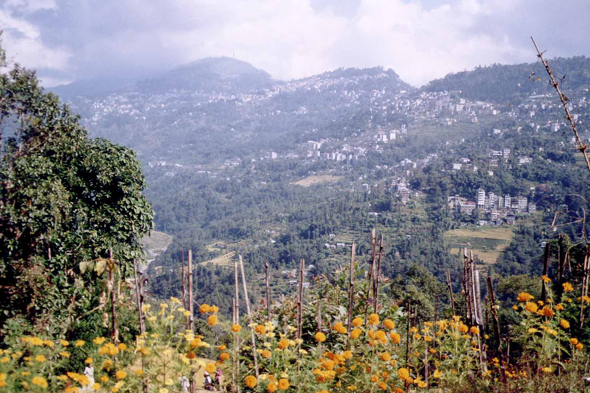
pixel 421 40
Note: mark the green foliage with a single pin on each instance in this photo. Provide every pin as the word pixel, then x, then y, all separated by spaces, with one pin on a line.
pixel 65 200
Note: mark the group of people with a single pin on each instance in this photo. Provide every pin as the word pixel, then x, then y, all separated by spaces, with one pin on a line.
pixel 209 384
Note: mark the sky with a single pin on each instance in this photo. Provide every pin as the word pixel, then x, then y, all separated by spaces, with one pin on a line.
pixel 68 40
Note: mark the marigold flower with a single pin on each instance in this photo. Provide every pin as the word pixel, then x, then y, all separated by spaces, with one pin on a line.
pixel 40 381
pixel 474 330
pixel 40 358
pixel 398 390
pixel 437 374
pixel 64 343
pixel 564 324
pixel 120 374
pixel 373 319
pixel 79 343
pixel 320 337
pixel 531 307
pixel 284 344
pixel 403 373
pixel 579 346
pixel 567 287
pixel 356 332
pixel 212 320
pixel 396 338
pixel 532 330
pixel 547 311
pixel 547 369
pixel 271 387
pixel 386 357
pixel 545 279
pixel 251 381
pixel 260 329
pixel 89 360
pixel 210 368
pixel 214 309
pixel 99 340
pixel 389 324
pixel 283 384
pixel 204 308
pixel 236 328
pixel 573 341
pixel 525 297
pixel 357 322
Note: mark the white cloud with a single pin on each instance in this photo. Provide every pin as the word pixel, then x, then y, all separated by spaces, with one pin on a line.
pixel 22 39
pixel 419 39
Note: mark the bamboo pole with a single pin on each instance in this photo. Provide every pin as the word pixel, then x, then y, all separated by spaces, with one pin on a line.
pixel 267 290
pixel 138 298
pixel 351 289
pixel 369 288
pixel 497 326
pixel 300 298
pixel 450 286
pixel 247 300
pixel 377 275
pixel 113 300
pixel 190 292
pixel 237 319
pixel 545 272
pixel 584 286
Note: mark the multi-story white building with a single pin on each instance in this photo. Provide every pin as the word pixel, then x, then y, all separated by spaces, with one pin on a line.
pixel 481 198
pixel 507 201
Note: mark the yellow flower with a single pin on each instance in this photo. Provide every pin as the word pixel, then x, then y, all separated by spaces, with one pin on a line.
pixel 579 346
pixel 204 308
pixel 532 330
pixel 225 356
pixel 95 386
pixel 564 324
pixel 357 322
pixel 389 324
pixel 186 313
pixel 104 378
pixel 260 329
pixel 403 373
pixel 395 337
pixel 547 369
pixel 474 330
pixel 373 319
pixel 210 368
pixel 65 354
pixel 284 344
pixel 122 347
pixel 163 390
pixel 120 374
pixel 64 343
pixel 545 279
pixel 525 297
pixel 139 372
pixel 283 384
pixel 573 341
pixel 214 309
pixel 547 311
pixel 320 337
pixel 567 287
pixel 356 332
pixel 99 340
pixel 531 307
pixel 89 360
pixel 40 358
pixel 40 381
pixel 251 381
pixel 437 374
pixel 271 387
pixel 386 357
pixel 212 320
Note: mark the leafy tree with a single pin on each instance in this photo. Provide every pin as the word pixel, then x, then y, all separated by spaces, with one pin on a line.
pixel 65 200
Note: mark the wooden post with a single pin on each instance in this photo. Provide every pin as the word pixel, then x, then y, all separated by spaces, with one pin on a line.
pixel 300 298
pixel 247 300
pixel 237 318
pixel 351 289
pixel 545 272
pixel 408 306
pixel 497 326
pixel 584 286
pixel 377 274
pixel 138 298
pixel 191 303
pixel 267 291
pixel 371 271
pixel 450 286
pixel 183 273
pixel 113 300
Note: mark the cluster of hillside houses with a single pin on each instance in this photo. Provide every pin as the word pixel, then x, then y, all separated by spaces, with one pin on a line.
pixel 496 208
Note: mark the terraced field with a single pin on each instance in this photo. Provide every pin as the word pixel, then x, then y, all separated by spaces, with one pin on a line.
pixel 486 243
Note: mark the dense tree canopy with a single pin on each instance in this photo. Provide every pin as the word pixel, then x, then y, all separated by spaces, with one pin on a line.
pixel 64 200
